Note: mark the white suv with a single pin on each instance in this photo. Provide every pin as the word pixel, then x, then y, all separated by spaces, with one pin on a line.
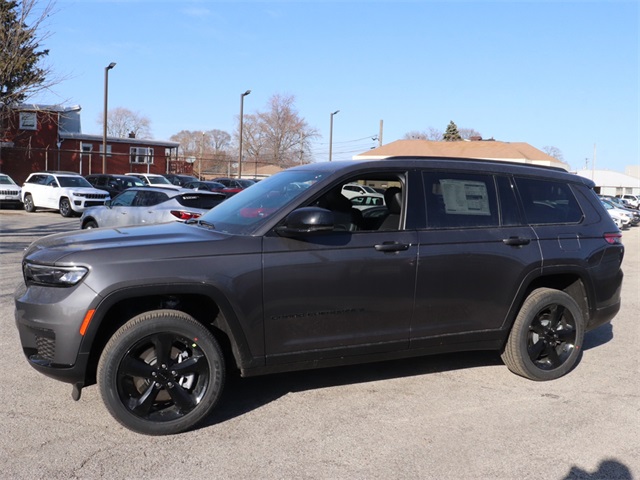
pixel 632 200
pixel 155 180
pixel 67 192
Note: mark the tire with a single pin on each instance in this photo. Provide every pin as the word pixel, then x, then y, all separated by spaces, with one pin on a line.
pixel 28 203
pixel 165 395
pixel 65 208
pixel 545 341
pixel 90 224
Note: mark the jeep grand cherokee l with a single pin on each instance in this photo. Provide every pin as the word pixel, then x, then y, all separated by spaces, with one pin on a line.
pixel 287 275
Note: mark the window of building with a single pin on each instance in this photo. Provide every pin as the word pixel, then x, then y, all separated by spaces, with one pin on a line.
pixel 108 149
pixel 141 154
pixel 28 120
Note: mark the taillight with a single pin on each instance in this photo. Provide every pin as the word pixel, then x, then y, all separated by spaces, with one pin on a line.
pixel 183 215
pixel 613 238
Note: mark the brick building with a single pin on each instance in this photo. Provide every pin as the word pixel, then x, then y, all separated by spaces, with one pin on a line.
pixel 46 137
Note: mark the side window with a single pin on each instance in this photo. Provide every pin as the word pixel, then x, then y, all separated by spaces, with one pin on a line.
pixel 125 199
pixel 548 202
pixel 147 199
pixel 354 210
pixel 459 200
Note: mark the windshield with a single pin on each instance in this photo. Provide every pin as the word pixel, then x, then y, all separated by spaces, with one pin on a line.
pixel 74 182
pixel 243 213
pixel 5 180
pixel 159 181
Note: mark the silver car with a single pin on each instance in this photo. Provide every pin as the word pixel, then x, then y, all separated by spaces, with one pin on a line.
pixel 148 205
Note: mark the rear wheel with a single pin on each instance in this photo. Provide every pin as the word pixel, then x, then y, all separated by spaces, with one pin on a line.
pixel 161 373
pixel 546 339
pixel 90 224
pixel 65 207
pixel 28 203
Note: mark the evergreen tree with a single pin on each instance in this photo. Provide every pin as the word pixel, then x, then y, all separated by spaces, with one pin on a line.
pixel 451 134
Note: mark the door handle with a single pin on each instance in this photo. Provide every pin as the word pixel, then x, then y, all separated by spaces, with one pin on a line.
pixel 516 241
pixel 392 247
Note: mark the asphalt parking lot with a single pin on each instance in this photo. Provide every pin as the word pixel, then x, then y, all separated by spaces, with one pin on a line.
pixel 458 416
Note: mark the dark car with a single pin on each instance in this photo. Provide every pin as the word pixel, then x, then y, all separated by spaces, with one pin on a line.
pixel 209 186
pixel 234 185
pixel 287 275
pixel 180 179
pixel 114 184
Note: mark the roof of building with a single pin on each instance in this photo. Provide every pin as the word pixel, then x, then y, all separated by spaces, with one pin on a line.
pixel 520 152
pixel 610 178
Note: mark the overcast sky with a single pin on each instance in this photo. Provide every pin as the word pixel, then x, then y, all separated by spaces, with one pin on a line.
pixel 549 73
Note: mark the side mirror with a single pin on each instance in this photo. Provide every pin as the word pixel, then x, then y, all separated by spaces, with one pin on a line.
pixel 307 220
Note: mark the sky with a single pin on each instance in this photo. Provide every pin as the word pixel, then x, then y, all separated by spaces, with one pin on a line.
pixel 548 73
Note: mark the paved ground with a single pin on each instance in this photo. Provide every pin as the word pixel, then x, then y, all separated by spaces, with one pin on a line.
pixel 462 416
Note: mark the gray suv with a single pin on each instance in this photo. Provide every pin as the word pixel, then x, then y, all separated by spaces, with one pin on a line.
pixel 287 275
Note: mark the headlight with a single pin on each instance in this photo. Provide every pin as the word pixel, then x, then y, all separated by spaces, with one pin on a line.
pixel 51 276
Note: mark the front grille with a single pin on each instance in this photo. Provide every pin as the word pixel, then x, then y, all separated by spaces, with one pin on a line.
pixel 9 192
pixel 95 195
pixel 46 347
pixel 93 204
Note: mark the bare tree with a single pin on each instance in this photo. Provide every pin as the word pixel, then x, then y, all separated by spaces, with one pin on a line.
pixel 212 149
pixel 122 122
pixel 431 133
pixel 277 136
pixel 22 72
pixel 468 133
pixel 555 152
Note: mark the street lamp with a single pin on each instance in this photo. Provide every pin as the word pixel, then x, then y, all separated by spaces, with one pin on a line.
pixel 331 134
pixel 104 119
pixel 242 95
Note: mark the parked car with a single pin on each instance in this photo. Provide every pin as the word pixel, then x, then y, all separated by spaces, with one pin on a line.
pixel 469 255
pixel 148 205
pixel 154 180
pixel 633 200
pixel 234 185
pixel 626 213
pixel 363 202
pixel 354 190
pixel 9 192
pixel 67 192
pixel 180 179
pixel 210 186
pixel 624 205
pixel 114 184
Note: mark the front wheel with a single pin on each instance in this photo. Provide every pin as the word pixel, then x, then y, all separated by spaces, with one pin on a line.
pixel 90 224
pixel 65 207
pixel 29 206
pixel 161 373
pixel 546 339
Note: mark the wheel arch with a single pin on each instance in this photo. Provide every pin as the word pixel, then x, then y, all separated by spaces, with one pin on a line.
pixel 206 305
pixel 571 282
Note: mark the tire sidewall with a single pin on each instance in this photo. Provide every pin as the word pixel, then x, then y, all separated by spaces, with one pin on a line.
pixel 28 203
pixel 539 300
pixel 146 325
pixel 65 207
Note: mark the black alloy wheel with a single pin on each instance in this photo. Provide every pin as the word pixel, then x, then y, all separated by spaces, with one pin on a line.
pixel 28 203
pixel 65 207
pixel 161 373
pixel 546 339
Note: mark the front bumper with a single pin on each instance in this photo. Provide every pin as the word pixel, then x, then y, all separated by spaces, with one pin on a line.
pixel 48 321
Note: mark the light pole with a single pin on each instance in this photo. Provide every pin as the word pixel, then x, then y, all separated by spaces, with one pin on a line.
pixel 242 95
pixel 104 119
pixel 331 134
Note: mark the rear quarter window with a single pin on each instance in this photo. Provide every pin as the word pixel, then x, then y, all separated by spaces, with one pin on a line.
pixel 200 201
pixel 548 202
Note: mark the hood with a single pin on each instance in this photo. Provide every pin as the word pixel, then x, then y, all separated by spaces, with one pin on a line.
pixel 168 240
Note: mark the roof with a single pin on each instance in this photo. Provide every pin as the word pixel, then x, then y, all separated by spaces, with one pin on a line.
pixel 519 152
pixel 609 178
pixel 132 141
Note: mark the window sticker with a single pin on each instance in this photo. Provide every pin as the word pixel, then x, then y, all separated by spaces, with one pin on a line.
pixel 465 197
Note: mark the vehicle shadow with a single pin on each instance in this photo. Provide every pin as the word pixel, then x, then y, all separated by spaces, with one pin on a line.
pixel 597 337
pixel 243 395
